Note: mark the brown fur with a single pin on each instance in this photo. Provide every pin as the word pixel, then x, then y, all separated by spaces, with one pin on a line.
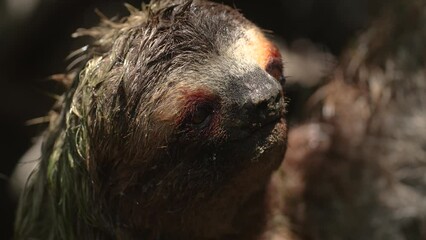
pixel 356 170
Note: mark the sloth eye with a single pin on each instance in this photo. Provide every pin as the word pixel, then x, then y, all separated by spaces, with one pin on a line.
pixel 282 80
pixel 275 69
pixel 201 115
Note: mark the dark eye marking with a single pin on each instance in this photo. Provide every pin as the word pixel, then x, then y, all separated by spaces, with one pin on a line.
pixel 274 67
pixel 199 112
pixel 201 115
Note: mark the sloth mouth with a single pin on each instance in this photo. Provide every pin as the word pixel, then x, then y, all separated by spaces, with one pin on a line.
pixel 267 136
pixel 257 129
pixel 263 130
pixel 261 148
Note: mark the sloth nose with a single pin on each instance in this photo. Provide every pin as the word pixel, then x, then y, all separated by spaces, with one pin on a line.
pixel 256 101
pixel 265 105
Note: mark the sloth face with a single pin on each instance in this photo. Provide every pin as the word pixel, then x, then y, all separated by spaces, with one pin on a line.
pixel 221 124
pixel 190 107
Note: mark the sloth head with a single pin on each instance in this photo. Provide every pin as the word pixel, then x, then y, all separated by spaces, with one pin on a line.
pixel 182 108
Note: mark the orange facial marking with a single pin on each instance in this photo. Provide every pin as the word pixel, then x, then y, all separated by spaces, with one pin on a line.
pixel 264 50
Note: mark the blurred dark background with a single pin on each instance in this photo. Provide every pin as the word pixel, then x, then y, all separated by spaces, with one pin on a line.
pixel 35 38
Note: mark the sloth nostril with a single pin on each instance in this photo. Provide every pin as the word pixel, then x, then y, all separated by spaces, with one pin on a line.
pixel 267 110
pixel 278 98
pixel 263 106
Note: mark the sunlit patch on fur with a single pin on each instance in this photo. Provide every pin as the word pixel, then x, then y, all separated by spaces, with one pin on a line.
pixel 256 49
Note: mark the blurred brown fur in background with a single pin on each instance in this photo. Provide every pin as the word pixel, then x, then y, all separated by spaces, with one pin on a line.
pixel 356 167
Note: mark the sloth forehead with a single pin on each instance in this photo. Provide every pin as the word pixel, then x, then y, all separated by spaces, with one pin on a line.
pixel 249 51
pixel 253 48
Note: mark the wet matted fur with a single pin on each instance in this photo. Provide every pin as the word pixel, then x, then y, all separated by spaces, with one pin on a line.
pixel 170 130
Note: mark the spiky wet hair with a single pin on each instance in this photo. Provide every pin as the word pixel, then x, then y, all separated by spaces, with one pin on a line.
pixel 113 114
